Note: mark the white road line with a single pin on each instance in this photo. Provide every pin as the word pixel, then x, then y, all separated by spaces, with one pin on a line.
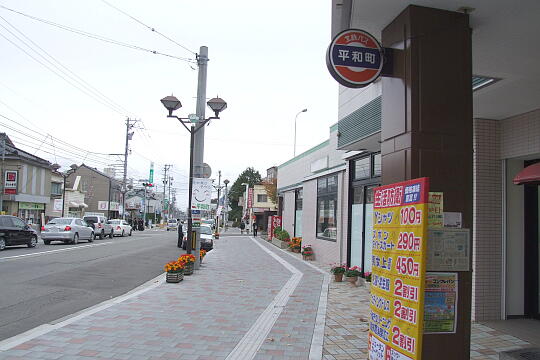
pixel 317 341
pixel 46 328
pixel 249 345
pixel 54 251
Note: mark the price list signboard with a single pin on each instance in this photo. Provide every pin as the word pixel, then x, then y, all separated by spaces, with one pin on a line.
pixel 398 273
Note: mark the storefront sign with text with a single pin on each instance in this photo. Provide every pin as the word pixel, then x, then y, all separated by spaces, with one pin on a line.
pixel 398 273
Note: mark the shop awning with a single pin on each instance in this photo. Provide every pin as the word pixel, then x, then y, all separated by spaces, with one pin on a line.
pixel 529 175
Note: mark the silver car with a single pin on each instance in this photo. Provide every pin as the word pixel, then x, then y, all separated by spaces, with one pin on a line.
pixel 68 230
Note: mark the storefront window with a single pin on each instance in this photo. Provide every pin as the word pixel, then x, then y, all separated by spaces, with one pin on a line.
pixel 298 212
pixel 357 219
pixel 327 208
pixel 377 169
pixel 362 168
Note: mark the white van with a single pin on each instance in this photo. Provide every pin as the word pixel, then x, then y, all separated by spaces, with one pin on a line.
pixel 172 224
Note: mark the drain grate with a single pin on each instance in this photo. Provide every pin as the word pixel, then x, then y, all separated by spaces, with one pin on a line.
pixel 521 354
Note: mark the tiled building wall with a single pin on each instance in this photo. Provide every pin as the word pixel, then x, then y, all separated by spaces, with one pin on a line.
pixel 487 220
pixel 520 135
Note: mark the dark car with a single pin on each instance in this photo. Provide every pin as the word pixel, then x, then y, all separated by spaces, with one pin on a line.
pixel 14 231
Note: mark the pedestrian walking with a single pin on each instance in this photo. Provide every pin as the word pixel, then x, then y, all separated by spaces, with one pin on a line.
pixel 180 233
pixel 255 229
pixel 242 227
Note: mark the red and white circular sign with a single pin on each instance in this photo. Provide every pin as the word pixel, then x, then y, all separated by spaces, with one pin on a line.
pixel 354 58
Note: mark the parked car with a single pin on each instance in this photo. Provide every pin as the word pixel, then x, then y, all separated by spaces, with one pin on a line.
pixel 68 230
pixel 120 227
pixel 100 226
pixel 207 238
pixel 172 224
pixel 15 231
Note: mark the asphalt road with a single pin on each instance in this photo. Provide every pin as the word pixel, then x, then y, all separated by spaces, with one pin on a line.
pixel 49 282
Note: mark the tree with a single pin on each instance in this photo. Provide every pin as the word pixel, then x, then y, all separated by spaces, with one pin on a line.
pixel 249 176
pixel 271 189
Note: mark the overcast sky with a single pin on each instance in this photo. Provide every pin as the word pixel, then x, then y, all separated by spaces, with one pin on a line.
pixel 267 60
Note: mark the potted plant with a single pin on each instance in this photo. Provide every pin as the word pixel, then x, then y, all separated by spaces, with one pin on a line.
pixel 295 244
pixel 188 260
pixel 352 274
pixel 338 270
pixel 175 271
pixel 307 252
pixel 202 254
pixel 367 277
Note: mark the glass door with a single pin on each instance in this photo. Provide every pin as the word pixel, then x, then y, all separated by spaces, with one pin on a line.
pixel 357 226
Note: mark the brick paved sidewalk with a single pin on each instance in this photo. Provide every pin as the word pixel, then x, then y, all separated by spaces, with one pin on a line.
pixel 203 317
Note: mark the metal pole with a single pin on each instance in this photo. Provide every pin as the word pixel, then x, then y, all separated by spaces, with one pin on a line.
pixel 169 202
pixel 64 194
pixel 144 208
pixel 198 152
pixel 226 206
pixel 190 191
pixel 124 184
pixel 218 195
pixel 164 188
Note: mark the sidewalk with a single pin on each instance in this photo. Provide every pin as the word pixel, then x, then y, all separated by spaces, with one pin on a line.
pixel 244 303
pixel 249 300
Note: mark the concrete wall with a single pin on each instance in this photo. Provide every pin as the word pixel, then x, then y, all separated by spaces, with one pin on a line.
pixel 520 135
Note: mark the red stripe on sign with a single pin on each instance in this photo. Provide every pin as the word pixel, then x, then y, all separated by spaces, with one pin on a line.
pixel 356 76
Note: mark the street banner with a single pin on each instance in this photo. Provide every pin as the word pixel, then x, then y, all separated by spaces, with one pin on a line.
pixel 250 198
pixel 10 182
pixel 202 194
pixel 398 270
pixel 440 316
pixel 273 223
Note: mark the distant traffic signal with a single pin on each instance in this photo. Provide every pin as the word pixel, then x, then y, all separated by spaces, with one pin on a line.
pixel 148 184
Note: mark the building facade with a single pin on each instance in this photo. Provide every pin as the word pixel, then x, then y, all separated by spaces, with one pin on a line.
pixel 102 193
pixel 27 184
pixel 504 128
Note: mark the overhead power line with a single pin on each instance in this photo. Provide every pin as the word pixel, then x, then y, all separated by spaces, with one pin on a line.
pixel 98 37
pixel 60 70
pixel 148 27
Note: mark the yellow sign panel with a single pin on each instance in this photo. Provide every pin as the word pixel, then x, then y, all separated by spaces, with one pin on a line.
pixel 435 210
pixel 398 270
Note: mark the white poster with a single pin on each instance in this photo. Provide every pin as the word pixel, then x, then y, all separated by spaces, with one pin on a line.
pixel 57 206
pixel 103 205
pixel 202 194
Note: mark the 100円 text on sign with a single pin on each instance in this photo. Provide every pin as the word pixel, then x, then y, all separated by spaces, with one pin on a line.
pixel 398 273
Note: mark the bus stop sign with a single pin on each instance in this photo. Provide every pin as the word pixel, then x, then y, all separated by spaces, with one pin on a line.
pixel 355 58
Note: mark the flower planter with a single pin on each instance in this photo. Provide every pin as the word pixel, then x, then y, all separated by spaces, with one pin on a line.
pixel 174 277
pixel 279 243
pixel 352 279
pixel 307 257
pixel 296 251
pixel 188 270
pixel 338 277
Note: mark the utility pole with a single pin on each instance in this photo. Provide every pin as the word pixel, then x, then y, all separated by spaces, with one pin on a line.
pixel 168 203
pixel 165 169
pixel 218 196
pixel 129 125
pixel 2 169
pixel 198 141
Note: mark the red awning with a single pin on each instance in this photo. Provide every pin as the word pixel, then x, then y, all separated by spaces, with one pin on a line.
pixel 529 175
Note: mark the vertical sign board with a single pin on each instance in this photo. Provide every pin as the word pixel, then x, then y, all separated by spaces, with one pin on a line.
pixel 10 182
pixel 250 198
pixel 399 257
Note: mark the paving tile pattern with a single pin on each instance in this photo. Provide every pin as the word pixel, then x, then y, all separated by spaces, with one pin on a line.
pixel 202 317
pixel 291 336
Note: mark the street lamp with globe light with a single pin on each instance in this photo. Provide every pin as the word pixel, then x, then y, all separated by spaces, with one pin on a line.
pixel 171 103
pixel 301 111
